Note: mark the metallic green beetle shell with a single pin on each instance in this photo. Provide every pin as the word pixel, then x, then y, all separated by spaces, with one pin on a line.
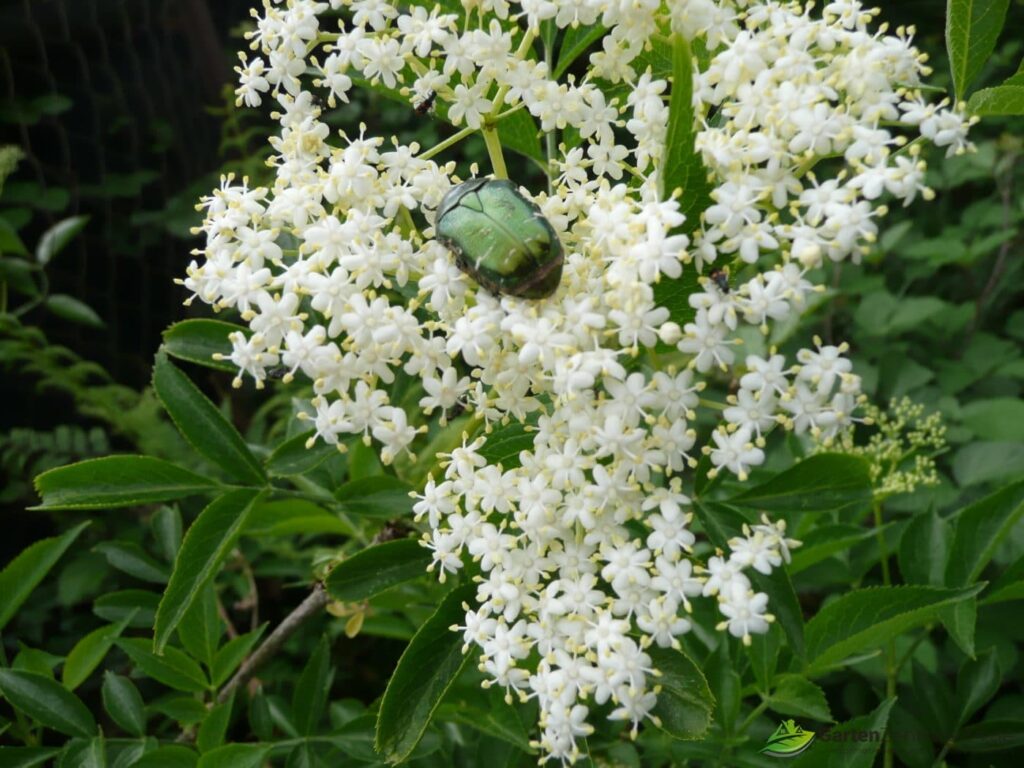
pixel 500 238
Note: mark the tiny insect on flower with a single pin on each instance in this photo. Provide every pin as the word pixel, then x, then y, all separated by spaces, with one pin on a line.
pixel 500 238
pixel 427 104
pixel 721 279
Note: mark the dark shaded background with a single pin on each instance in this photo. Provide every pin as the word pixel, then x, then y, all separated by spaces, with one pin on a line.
pixel 139 75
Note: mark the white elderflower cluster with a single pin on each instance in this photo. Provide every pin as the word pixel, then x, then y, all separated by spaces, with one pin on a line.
pixel 583 541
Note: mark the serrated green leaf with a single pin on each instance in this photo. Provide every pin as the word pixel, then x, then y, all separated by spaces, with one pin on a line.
pixel 56 238
pixel 117 481
pixel 88 652
pixel 374 569
pixel 198 340
pixel 764 656
pixel 575 43
pixel 290 516
pixel 123 703
pixel 977 682
pixel 132 559
pixel 20 576
pixel 504 445
pixel 979 530
pixel 924 549
pixel 428 667
pixel 89 753
pixel 784 605
pixel 866 618
pixel 683 168
pixel 46 701
pixel 292 457
pixel 972 29
pixel 377 496
pixel 203 425
pixel 136 606
pixel 167 530
pixel 214 727
pixel 174 669
pixel 685 703
pixel 824 542
pixel 1001 418
pixel 982 462
pixel 232 653
pixel 201 627
pixel 798 696
pixel 487 712
pixel 826 481
pixel 206 545
pixel 996 735
pixel 960 620
pixel 312 688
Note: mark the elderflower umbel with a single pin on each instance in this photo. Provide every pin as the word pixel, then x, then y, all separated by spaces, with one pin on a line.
pixel 335 270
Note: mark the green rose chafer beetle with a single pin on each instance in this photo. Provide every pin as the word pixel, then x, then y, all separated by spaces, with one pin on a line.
pixel 500 238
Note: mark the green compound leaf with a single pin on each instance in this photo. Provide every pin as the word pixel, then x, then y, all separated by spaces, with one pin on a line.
pixel 685 703
pixel 206 545
pixel 867 618
pixel 117 481
pixel 24 572
pixel 48 702
pixel 380 567
pixel 428 668
pixel 198 340
pixel 972 29
pixel 824 482
pixel 203 425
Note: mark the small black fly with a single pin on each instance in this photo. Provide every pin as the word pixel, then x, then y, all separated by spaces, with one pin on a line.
pixel 426 105
pixel 277 373
pixel 721 279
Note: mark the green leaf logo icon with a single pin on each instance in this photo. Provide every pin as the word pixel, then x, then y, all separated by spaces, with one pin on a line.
pixel 789 740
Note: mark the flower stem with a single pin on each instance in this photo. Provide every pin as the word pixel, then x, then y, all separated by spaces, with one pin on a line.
pixel 890 648
pixel 493 143
pixel 452 140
